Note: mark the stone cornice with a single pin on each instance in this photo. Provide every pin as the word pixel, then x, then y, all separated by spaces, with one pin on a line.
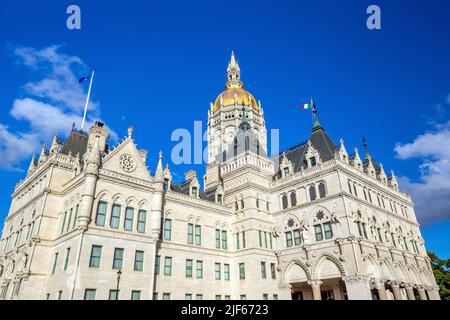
pixel 197 202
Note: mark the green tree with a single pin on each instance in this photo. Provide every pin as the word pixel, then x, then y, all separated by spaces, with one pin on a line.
pixel 441 270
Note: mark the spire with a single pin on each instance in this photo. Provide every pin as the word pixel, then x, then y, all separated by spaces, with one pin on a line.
pixel 382 174
pixel 393 180
pixel 233 74
pixel 159 168
pixel 365 148
pixel 43 156
pixel 54 146
pixel 316 119
pixel 32 165
pixel 342 151
pixel 357 161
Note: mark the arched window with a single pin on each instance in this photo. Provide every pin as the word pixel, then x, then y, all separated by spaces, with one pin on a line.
pixel 235 146
pixel 322 191
pixel 312 193
pixel 284 201
pixel 293 199
pixel 247 143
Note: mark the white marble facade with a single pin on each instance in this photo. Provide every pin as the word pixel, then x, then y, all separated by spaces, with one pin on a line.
pixel 314 223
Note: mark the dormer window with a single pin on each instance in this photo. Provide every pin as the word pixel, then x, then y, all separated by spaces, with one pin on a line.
pixel 286 172
pixel 194 192
pixel 312 161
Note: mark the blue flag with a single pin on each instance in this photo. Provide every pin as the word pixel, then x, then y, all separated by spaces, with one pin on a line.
pixel 83 79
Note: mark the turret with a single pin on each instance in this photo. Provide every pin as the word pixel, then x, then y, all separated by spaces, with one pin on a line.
pixel 32 165
pixel 357 161
pixel 43 155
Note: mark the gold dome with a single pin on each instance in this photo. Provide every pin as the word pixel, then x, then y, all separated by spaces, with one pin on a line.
pixel 234 89
pixel 229 96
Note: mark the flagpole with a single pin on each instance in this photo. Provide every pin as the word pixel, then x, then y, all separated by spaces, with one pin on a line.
pixel 87 99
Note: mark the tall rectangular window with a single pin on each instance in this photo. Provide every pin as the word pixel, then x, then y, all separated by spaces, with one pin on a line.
pixel 168 266
pixel 318 232
pixel 297 237
pixel 226 271
pixel 393 239
pixel 273 271
pixel 328 231
pixel 198 235
pixel 129 216
pixel 199 269
pixel 194 192
pixel 243 239
pixel 115 216
pixel 60 294
pixel 70 220
pixel 217 239
pixel 75 218
pixel 96 254
pixel 364 230
pixel 66 260
pixel 166 184
pixel 167 229
pixel 89 294
pixel 135 295
pixel 188 268
pixel 55 261
pixel 241 271
pixel 270 238
pixel 288 236
pixel 118 258
pixel 217 271
pixel 237 241
pixel 224 240
pixel 190 239
pixel 260 238
pixel 139 261
pixel 63 223
pixel 142 217
pixel 380 238
pixel 359 228
pixel 157 264
pixel 113 295
pixel 263 270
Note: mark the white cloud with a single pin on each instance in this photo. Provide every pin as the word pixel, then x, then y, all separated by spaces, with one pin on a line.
pixel 50 104
pixel 432 193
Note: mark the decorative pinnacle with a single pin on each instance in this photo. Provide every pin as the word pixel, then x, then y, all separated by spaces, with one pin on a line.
pixel 130 131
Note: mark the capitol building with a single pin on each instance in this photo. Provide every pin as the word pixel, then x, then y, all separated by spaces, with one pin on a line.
pixel 316 222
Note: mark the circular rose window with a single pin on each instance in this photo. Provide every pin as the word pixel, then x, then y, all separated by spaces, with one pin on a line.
pixel 127 162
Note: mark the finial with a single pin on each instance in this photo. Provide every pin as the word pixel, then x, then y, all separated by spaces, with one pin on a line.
pixel 73 126
pixel 130 131
pixel 365 147
pixel 160 154
pixel 316 119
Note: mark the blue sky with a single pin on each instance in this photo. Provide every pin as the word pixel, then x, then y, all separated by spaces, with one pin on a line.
pixel 159 64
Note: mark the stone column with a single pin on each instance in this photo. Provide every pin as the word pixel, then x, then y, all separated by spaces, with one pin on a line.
pixel 396 290
pixel 381 290
pixel 315 285
pixel 422 294
pixel 410 292
pixel 433 293
pixel 358 287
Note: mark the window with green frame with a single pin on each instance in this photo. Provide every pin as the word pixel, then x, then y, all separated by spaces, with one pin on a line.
pixel 226 271
pixel 218 297
pixel 166 184
pixel 190 238
pixel 142 217
pixel 76 216
pixel 188 268
pixel 217 239
pixel 166 296
pixel 69 220
pixel 380 238
pixel 89 294
pixel 237 241
pixel 393 240
pixel 194 192
pixel 135 295
pixel 113 294
pixel 55 262
pixel 118 258
pixel 96 254
pixel 297 238
pixel 243 239
pixel 139 260
pixel 260 238
pixel 265 239
pixel 217 272
pixel 286 171
pixel 242 203
pixel 157 264
pixel 327 230
pixel 168 266
pixel 199 269
pixel 220 198
pixel 241 271
pixel 263 270
pixel 129 216
pixel 364 230
pixel 224 240
pixel 115 216
pixel 198 235
pixel 188 296
pixel 198 297
pixel 270 239
pixel 168 229
pixel 318 232
pixel 63 223
pixel 227 297
pixel 273 271
pixel 66 260
pixel 288 236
